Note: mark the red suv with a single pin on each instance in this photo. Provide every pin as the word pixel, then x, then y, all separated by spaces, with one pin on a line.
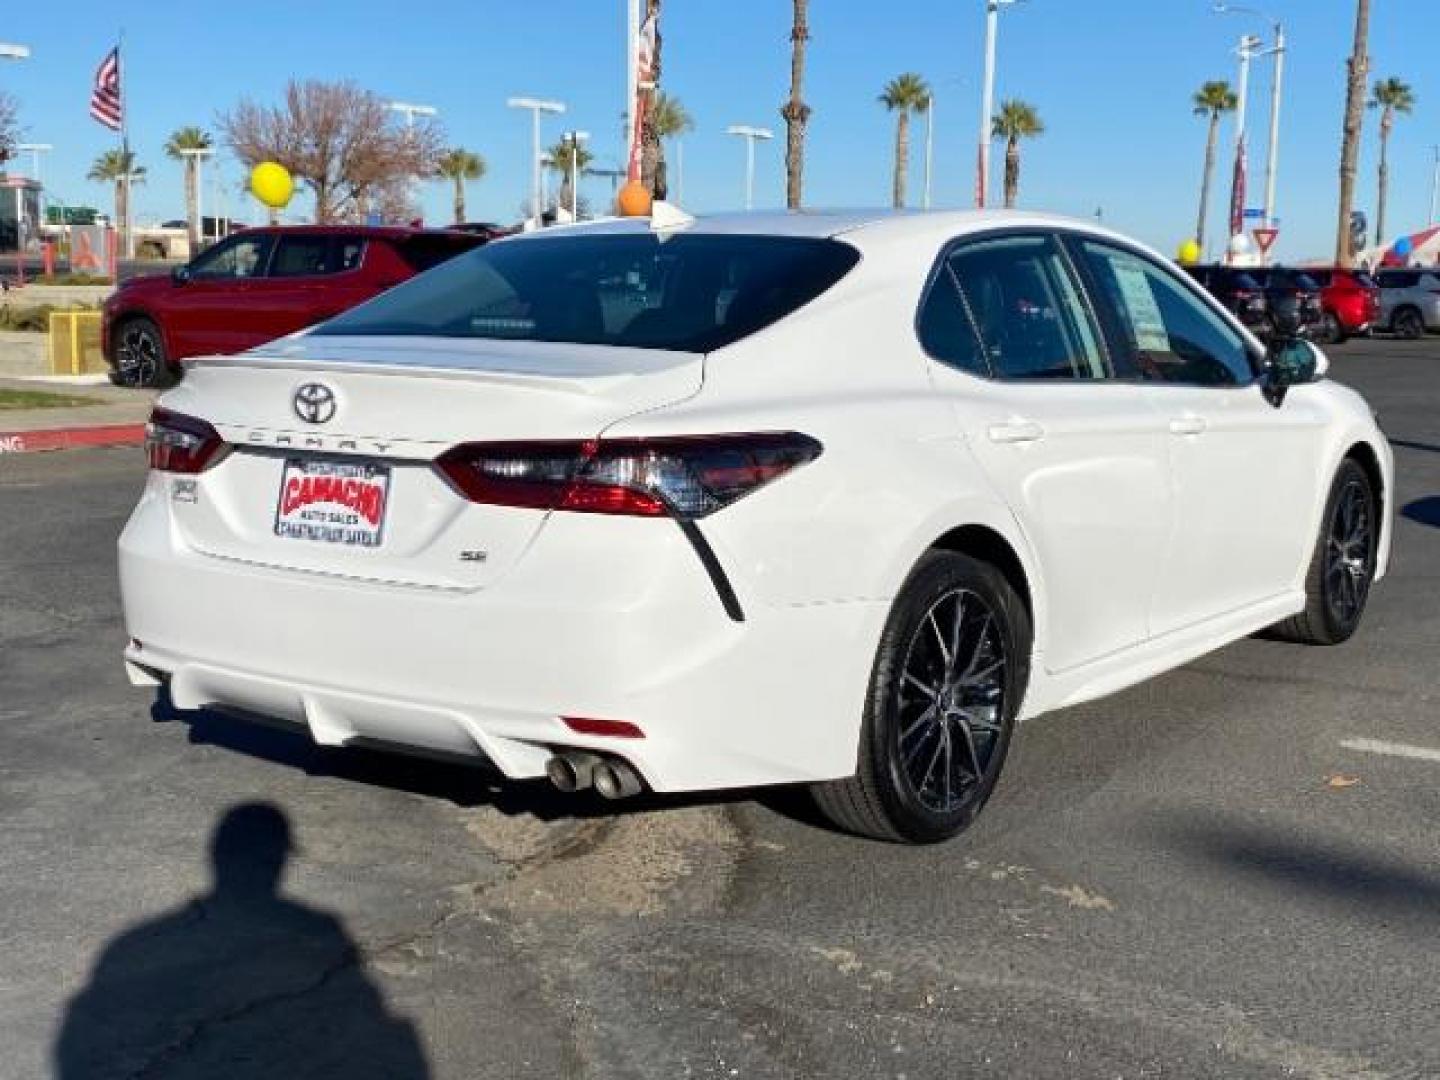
pixel 1352 303
pixel 258 285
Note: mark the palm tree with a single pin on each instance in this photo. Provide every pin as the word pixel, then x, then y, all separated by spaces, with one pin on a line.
pixel 1016 120
pixel 570 159
pixel 903 95
pixel 795 111
pixel 1214 100
pixel 1392 97
pixel 118 167
pixel 459 166
pixel 190 138
pixel 1358 67
pixel 669 120
pixel 652 169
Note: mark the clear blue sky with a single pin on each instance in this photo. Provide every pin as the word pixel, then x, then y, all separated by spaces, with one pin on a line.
pixel 1111 78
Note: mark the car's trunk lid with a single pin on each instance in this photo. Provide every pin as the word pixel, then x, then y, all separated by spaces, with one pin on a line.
pixel 299 490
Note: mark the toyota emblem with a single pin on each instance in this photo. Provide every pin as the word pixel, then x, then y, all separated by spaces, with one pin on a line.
pixel 314 403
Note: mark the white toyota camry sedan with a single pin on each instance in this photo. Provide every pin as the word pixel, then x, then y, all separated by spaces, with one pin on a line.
pixel 688 504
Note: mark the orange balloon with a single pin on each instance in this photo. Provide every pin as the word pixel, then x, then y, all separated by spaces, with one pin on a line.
pixel 634 200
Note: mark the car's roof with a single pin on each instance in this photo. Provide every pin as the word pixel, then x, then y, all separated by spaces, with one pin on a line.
pixel 873 224
pixel 388 232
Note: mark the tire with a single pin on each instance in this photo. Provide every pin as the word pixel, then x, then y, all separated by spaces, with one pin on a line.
pixel 140 357
pixel 1409 324
pixel 1330 331
pixel 1342 568
pixel 976 669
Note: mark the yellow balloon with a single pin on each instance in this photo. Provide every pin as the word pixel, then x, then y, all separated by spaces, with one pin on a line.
pixel 1189 253
pixel 272 184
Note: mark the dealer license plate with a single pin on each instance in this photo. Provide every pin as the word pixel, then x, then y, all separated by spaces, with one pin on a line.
pixel 333 502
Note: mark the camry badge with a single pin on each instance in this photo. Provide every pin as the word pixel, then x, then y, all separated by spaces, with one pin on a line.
pixel 314 403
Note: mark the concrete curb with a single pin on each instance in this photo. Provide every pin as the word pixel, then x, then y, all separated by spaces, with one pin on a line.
pixel 25 442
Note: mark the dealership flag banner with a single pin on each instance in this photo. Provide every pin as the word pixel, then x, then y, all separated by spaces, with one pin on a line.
pixel 1237 194
pixel 105 101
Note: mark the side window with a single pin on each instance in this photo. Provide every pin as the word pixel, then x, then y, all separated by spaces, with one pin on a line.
pixel 301 256
pixel 243 257
pixel 1171 334
pixel 1028 310
pixel 945 330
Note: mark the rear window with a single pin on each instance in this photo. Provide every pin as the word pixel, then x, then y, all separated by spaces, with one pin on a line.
pixel 687 293
pixel 423 253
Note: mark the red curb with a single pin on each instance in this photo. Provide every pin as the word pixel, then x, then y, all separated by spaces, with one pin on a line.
pixel 25 442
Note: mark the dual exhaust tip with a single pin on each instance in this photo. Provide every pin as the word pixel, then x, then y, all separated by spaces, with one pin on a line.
pixel 576 770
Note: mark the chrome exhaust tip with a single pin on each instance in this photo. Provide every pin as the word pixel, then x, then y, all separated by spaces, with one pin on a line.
pixel 616 779
pixel 572 771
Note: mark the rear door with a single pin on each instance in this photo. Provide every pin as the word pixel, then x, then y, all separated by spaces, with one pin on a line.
pixel 1243 471
pixel 1079 456
pixel 312 277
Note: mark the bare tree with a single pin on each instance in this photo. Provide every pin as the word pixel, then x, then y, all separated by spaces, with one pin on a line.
pixel 1358 68
pixel 9 127
pixel 340 141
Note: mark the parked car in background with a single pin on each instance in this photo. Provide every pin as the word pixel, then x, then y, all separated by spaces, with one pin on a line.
pixel 832 499
pixel 258 285
pixel 1293 299
pixel 1272 301
pixel 1409 301
pixel 1236 288
pixel 1351 302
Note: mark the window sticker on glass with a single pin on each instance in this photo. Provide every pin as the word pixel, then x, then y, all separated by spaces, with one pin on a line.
pixel 1145 318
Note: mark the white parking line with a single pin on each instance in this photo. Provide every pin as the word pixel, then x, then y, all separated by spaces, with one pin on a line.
pixel 1391 749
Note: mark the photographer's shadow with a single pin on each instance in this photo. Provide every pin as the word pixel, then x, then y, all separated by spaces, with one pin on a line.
pixel 240 982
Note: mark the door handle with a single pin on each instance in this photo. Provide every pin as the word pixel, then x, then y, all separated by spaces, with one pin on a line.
pixel 1188 425
pixel 1017 431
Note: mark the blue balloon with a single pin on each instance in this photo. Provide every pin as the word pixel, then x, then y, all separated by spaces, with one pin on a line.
pixel 1403 246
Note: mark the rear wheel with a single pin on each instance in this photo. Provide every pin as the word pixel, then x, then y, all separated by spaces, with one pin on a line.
pixel 1330 330
pixel 140 359
pixel 1342 567
pixel 1409 324
pixel 948 679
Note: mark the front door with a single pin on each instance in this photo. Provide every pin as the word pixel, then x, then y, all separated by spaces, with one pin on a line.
pixel 1079 457
pixel 208 312
pixel 1244 476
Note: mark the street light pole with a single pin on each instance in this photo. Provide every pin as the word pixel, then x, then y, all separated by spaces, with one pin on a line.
pixel 750 135
pixel 198 156
pixel 536 107
pixel 410 112
pixel 1435 191
pixel 929 143
pixel 1278 51
pixel 1246 51
pixel 987 98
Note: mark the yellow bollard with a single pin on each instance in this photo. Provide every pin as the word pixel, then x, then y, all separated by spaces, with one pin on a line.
pixel 74 343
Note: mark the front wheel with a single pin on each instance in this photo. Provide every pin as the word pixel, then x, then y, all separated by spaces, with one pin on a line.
pixel 140 359
pixel 1342 568
pixel 948 679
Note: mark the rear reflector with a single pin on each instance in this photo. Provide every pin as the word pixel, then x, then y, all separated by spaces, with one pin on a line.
pixel 685 476
pixel 177 443
pixel 616 729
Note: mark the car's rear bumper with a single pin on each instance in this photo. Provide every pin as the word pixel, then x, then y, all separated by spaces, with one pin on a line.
pixel 608 618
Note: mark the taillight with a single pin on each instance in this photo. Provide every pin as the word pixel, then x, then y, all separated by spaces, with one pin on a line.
pixel 178 443
pixel 684 476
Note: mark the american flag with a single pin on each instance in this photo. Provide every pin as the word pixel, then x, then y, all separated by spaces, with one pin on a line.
pixel 105 98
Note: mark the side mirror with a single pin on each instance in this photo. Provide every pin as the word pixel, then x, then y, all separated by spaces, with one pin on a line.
pixel 1291 362
pixel 180 275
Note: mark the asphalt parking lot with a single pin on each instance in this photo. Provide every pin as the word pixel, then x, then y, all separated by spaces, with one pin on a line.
pixel 1195 878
